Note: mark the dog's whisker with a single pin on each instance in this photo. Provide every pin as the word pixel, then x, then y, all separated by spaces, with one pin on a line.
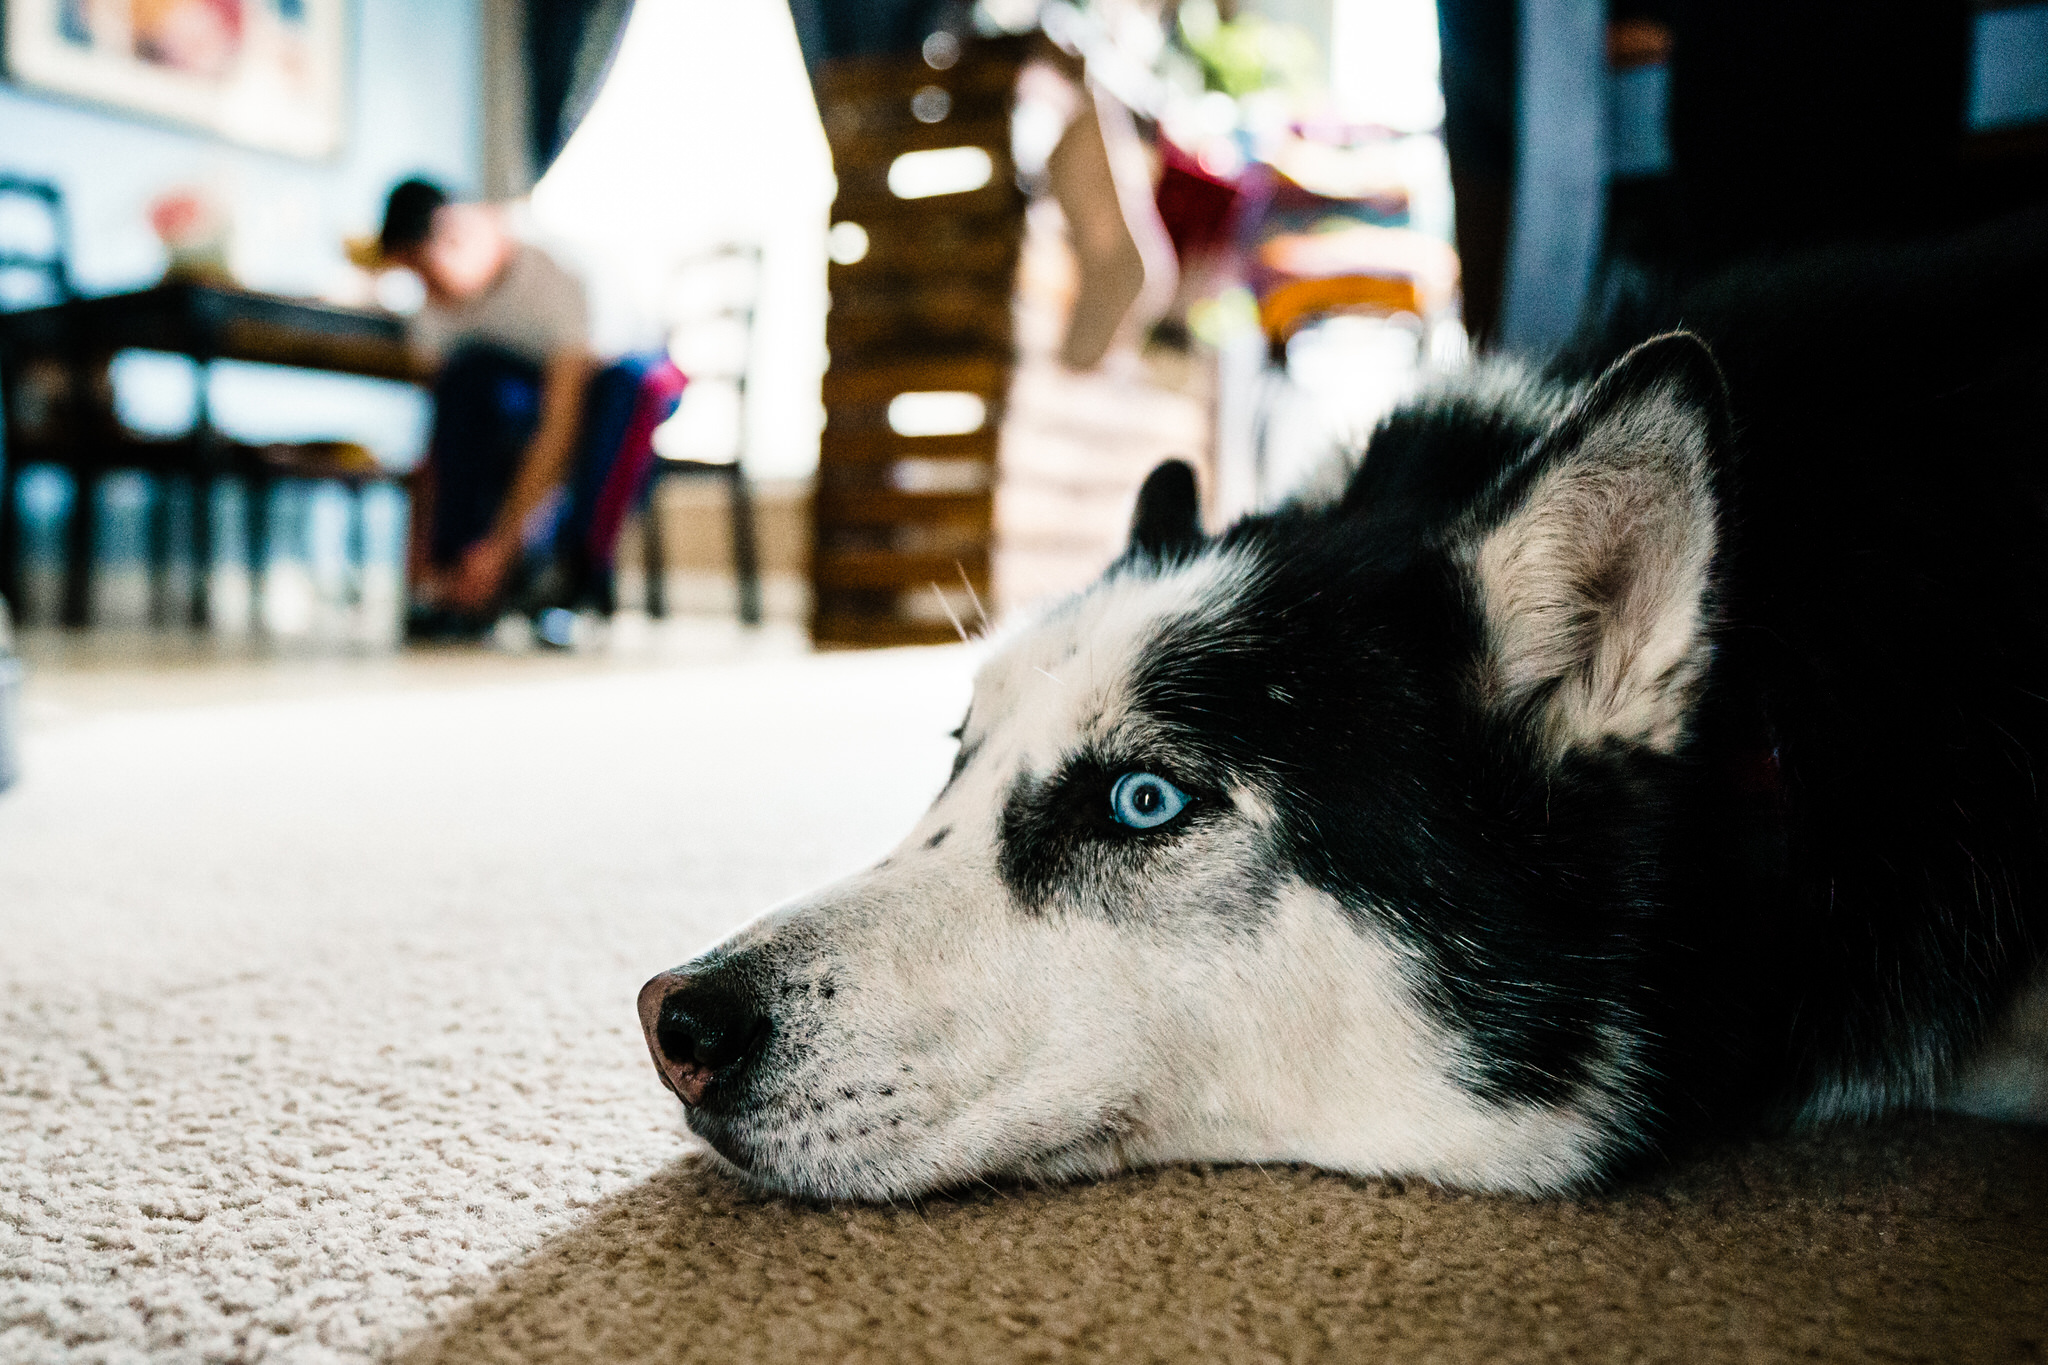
pixel 917 1212
pixel 974 597
pixel 1042 673
pixel 947 607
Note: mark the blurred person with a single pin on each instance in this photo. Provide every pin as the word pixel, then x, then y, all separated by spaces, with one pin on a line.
pixel 1126 270
pixel 1098 168
pixel 505 330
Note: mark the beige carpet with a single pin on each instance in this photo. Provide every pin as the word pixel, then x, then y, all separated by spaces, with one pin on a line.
pixel 316 1044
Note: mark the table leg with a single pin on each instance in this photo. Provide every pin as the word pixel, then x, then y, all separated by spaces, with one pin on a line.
pixel 86 433
pixel 746 559
pixel 206 457
pixel 257 489
pixel 357 549
pixel 653 554
pixel 160 548
pixel 10 477
pixel 202 546
pixel 80 542
pixel 10 535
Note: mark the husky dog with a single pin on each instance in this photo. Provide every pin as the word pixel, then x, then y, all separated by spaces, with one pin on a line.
pixel 1615 763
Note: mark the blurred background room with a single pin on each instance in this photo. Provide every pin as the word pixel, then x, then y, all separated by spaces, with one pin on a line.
pixel 461 456
pixel 943 282
pixel 939 281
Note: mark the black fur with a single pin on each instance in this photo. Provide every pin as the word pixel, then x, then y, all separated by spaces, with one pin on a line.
pixel 1167 522
pixel 1820 901
pixel 1057 837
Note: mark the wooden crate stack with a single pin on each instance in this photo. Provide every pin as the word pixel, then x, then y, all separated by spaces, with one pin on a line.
pixel 926 309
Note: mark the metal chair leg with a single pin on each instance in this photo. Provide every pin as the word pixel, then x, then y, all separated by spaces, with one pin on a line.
pixel 653 552
pixel 201 603
pixel 208 458
pixel 746 562
pixel 83 540
pixel 159 549
pixel 257 519
pixel 10 534
pixel 357 551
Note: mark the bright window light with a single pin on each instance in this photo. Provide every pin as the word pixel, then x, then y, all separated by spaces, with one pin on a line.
pixel 847 243
pixel 938 413
pixel 1384 62
pixel 938 476
pixel 645 243
pixel 942 170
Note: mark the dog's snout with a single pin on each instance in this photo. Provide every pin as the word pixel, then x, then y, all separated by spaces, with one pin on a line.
pixel 702 1028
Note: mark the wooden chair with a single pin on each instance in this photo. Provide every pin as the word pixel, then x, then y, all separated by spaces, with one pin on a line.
pixel 733 310
pixel 48 268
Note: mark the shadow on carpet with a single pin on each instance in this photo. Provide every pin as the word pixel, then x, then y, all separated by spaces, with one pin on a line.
pixel 1921 1240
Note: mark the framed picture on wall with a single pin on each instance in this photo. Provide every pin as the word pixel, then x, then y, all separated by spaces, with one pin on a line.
pixel 264 73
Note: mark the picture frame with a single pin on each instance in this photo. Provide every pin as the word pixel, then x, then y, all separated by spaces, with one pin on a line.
pixel 269 74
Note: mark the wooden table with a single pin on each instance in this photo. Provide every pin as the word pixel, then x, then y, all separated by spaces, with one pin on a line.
pixel 207 322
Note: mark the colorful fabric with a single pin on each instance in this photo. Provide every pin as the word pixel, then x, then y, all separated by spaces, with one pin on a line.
pixel 626 402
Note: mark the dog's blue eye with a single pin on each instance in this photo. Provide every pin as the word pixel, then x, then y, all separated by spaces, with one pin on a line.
pixel 1145 800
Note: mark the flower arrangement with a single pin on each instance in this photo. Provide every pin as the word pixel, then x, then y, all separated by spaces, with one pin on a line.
pixel 194 230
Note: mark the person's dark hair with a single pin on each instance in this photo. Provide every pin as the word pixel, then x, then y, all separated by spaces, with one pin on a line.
pixel 409 214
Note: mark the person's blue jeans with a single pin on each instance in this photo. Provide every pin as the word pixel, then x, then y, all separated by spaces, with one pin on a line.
pixel 486 408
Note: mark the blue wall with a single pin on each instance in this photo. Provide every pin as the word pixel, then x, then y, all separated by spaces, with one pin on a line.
pixel 415 106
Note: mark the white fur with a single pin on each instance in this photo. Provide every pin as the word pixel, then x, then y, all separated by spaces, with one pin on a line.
pixel 1597 583
pixel 969 1036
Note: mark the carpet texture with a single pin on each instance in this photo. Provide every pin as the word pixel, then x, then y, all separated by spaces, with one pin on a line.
pixel 316 1043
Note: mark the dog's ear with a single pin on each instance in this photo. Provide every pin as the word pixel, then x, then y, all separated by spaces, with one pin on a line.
pixel 1168 519
pixel 1595 582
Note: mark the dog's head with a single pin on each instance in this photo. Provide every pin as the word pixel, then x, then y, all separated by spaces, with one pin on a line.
pixel 1313 841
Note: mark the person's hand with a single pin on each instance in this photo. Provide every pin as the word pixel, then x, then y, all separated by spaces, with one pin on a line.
pixel 482 572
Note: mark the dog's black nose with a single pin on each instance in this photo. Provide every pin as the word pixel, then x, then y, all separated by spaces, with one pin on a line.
pixel 700 1027
pixel 703 1024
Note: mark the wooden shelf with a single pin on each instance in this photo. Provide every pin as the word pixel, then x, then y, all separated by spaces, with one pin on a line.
pixel 895 569
pixel 873 445
pixel 878 381
pixel 926 308
pixel 862 631
pixel 848 509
